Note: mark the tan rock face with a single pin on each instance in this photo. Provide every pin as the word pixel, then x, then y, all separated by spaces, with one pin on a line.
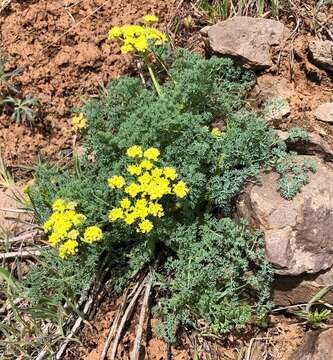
pixel 318 345
pixel 248 40
pixel 289 290
pixel 298 233
pixel 321 53
pixel 324 112
pixel 10 221
pixel 315 145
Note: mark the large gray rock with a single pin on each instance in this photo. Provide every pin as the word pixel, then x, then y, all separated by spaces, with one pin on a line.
pixel 321 53
pixel 247 40
pixel 298 233
pixel 317 345
pixel 324 112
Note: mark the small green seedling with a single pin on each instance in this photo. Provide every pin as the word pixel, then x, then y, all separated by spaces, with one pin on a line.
pixel 6 76
pixel 24 109
pixel 315 318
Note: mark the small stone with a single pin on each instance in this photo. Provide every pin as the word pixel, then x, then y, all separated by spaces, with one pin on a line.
pixel 247 40
pixel 324 112
pixel 321 53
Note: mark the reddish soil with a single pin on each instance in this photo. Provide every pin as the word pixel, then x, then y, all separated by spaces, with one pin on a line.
pixel 62 51
pixel 278 341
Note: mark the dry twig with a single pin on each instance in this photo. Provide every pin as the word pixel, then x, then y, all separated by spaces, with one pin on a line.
pixel 22 253
pixel 137 342
pixel 114 327
pixel 127 314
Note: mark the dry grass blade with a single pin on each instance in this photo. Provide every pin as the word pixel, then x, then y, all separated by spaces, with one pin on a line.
pixel 127 314
pixel 74 330
pixel 22 253
pixel 114 327
pixel 6 179
pixel 137 342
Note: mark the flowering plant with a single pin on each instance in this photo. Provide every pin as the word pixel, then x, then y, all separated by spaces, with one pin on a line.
pixel 147 186
pixel 65 228
pixel 136 39
pixel 79 122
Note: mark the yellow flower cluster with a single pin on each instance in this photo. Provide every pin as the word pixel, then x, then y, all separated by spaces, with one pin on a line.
pixel 142 195
pixel 79 122
pixel 135 38
pixel 216 132
pixel 63 228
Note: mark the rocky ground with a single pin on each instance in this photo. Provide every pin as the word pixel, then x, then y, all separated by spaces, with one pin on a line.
pixel 63 56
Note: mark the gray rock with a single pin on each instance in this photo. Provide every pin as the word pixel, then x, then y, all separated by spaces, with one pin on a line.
pixel 247 40
pixel 324 112
pixel 317 345
pixel 321 53
pixel 289 290
pixel 299 232
pixel 315 145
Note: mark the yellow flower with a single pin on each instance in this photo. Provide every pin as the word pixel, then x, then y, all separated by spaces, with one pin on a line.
pixel 26 189
pixel 180 189
pixel 145 226
pixel 73 234
pixel 59 205
pixel 216 132
pixel 144 179
pixel 70 247
pixel 156 209
pixel 79 122
pixel 156 173
pixel 116 182
pixel 54 238
pixel 134 151
pixel 134 169
pixel 92 234
pixel 170 173
pixel 78 219
pixel 125 49
pixel 141 44
pixel 130 218
pixel 150 19
pixel 71 205
pixel 116 214
pixel 125 203
pixel 152 154
pixel 132 189
pixel 146 164
pixel 115 33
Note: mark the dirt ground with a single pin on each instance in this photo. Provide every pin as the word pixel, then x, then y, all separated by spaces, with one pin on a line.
pixel 61 50
pixel 63 56
pixel 276 342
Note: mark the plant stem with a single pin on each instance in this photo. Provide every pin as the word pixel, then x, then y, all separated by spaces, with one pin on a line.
pixel 152 75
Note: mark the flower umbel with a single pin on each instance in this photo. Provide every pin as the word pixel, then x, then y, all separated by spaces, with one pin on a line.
pixel 150 19
pixel 79 122
pixel 65 228
pixel 145 193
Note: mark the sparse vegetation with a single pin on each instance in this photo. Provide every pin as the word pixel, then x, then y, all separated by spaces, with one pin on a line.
pixel 23 110
pixel 140 200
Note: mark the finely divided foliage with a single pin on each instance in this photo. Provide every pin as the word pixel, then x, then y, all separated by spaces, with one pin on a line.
pixel 157 181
